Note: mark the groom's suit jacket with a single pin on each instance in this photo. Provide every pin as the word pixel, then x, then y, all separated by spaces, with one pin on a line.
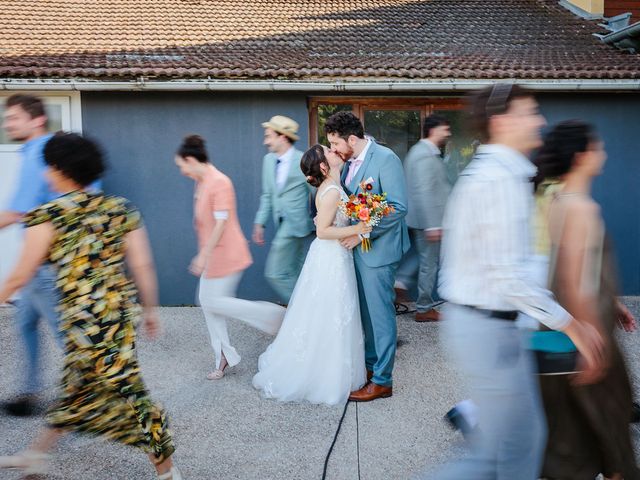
pixel 287 206
pixel 390 239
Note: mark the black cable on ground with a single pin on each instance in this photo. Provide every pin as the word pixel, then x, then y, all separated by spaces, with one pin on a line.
pixel 335 438
pixel 402 309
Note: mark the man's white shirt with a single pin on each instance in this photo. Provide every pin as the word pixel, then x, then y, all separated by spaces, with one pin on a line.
pixel 283 167
pixel 487 239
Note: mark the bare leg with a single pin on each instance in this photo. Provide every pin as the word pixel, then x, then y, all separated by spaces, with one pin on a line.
pixel 34 461
pixel 46 440
pixel 163 467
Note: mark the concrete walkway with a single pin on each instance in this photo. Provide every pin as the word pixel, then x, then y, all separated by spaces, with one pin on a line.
pixel 225 430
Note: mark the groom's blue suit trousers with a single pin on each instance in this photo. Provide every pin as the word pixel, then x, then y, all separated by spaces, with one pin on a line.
pixel 375 287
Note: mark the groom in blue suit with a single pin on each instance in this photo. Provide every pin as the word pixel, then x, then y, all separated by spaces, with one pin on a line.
pixel 376 269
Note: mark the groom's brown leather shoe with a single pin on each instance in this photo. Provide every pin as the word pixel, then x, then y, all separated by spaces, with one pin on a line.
pixel 369 392
pixel 428 316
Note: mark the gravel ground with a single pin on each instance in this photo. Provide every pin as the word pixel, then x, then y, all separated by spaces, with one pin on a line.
pixel 225 430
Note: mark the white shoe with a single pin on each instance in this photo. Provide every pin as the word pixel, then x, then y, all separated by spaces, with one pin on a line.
pixel 173 474
pixel 30 462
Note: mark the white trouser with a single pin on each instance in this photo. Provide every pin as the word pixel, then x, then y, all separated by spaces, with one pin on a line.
pixel 512 428
pixel 218 302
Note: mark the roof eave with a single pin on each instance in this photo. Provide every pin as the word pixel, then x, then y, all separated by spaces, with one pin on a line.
pixel 328 85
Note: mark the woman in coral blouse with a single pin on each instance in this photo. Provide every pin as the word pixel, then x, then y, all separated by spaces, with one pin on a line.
pixel 223 256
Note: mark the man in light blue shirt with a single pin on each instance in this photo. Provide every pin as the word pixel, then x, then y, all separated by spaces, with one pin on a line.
pixel 25 120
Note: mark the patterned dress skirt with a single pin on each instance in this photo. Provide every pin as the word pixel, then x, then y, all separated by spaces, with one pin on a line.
pixel 102 390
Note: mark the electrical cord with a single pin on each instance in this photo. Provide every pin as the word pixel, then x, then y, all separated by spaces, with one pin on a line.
pixel 333 443
pixel 401 309
pixel 335 438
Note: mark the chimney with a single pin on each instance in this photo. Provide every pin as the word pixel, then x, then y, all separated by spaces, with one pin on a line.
pixel 588 8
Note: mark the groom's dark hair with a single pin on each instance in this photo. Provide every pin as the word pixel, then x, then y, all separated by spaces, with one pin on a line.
pixel 344 124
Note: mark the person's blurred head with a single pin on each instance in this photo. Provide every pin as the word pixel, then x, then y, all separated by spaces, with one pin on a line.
pixel 318 162
pixel 280 133
pixel 572 146
pixel 345 133
pixel 73 162
pixel 506 114
pixel 191 156
pixel 25 117
pixel 437 130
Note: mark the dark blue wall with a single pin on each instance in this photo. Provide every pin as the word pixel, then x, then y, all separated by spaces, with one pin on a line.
pixel 617 118
pixel 141 131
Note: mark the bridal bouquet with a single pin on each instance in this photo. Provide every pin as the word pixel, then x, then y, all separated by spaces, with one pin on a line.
pixel 366 207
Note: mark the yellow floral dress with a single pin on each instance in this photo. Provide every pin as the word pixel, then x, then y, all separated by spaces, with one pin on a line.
pixel 102 391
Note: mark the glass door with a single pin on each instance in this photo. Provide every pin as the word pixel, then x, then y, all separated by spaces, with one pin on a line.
pixel 397 123
pixel 395 128
pixel 462 145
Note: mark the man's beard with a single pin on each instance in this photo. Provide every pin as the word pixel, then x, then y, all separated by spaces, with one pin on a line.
pixel 346 156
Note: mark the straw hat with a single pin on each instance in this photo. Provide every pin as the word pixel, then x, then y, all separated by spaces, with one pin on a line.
pixel 284 126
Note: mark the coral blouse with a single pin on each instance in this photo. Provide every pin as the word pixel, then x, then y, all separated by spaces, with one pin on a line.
pixel 215 193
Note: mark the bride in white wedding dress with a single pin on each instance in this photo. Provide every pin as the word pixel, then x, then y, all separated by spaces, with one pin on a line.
pixel 318 354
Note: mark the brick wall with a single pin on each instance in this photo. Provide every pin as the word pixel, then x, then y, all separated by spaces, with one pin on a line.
pixel 616 7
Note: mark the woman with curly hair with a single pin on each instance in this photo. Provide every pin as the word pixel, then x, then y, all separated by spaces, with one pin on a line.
pixel 91 239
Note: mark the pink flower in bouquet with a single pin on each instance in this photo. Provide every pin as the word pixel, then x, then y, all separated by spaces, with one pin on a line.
pixel 363 214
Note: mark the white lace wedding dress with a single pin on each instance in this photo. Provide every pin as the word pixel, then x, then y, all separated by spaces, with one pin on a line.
pixel 318 354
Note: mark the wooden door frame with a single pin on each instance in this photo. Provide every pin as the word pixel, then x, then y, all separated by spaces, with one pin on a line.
pixel 426 105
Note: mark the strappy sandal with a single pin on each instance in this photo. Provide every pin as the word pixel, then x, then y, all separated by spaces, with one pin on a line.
pixel 218 373
pixel 29 462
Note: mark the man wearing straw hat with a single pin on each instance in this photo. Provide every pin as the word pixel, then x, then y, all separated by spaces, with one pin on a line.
pixel 285 198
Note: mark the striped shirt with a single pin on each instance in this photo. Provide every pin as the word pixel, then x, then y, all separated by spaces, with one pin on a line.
pixel 486 247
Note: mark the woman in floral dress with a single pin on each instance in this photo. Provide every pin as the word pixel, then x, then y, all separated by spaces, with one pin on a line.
pixel 87 237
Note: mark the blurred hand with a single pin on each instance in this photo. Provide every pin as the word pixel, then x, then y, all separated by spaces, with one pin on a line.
pixel 151 323
pixel 198 264
pixel 350 242
pixel 625 318
pixel 364 228
pixel 258 234
pixel 592 348
pixel 433 235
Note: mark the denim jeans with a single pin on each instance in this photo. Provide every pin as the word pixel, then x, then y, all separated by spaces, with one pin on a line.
pixel 39 299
